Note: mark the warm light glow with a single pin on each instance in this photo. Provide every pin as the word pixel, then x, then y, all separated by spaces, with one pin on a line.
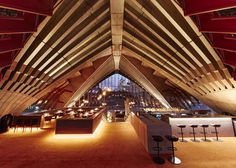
pixel 109 116
pixel 163 109
pixel 99 97
pixel 104 93
pixel 46 114
pixel 131 103
pixel 39 102
pixel 72 113
pixel 103 104
pixel 27 131
pixel 95 134
pixel 59 111
pixel 85 101
pixel 82 104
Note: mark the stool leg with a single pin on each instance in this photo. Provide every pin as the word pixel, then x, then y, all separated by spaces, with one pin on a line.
pixel 194 137
pixel 173 150
pixel 15 128
pixel 204 132
pixel 182 134
pixel 158 159
pixel 174 159
pixel 216 134
pixel 158 149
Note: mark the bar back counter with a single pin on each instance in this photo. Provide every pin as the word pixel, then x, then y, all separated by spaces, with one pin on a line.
pixel 78 125
pixel 225 130
pixel 147 126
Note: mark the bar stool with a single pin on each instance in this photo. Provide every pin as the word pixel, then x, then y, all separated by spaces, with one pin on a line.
pixel 158 159
pixel 194 126
pixel 181 126
pixel 19 122
pixel 216 131
pixel 204 127
pixel 173 159
pixel 27 123
pixel 34 123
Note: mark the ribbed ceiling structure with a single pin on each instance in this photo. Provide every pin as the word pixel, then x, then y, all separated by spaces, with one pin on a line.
pixel 78 42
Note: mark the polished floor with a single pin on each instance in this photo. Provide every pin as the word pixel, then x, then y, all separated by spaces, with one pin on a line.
pixel 114 145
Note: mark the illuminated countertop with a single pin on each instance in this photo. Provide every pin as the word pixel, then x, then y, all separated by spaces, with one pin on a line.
pixel 73 117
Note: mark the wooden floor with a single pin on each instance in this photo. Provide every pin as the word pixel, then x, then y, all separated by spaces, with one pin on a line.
pixel 113 145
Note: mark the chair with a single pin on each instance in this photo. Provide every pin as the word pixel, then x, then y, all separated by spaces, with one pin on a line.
pixel 27 123
pixel 35 122
pixel 18 122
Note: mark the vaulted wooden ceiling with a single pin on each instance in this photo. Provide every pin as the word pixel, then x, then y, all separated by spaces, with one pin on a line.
pixel 47 43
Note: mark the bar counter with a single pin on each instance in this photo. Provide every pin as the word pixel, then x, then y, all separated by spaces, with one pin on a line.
pixel 76 125
pixel 226 125
pixel 147 126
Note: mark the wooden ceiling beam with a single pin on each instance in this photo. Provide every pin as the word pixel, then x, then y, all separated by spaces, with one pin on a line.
pixel 43 55
pixel 163 37
pixel 158 50
pixel 117 17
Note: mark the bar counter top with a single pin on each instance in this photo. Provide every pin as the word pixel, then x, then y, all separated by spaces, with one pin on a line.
pixel 226 125
pixel 78 125
pixel 94 115
pixel 215 116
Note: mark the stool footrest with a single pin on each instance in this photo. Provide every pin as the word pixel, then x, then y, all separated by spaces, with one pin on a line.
pixel 203 133
pixel 180 133
pixel 214 132
pixel 172 148
pixel 193 133
pixel 157 148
